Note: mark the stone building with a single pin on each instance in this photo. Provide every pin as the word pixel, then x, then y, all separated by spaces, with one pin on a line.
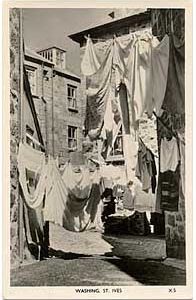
pixel 56 95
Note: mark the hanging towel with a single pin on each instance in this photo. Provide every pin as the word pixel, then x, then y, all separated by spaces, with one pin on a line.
pixel 169 155
pixel 90 64
pixel 98 91
pixel 32 175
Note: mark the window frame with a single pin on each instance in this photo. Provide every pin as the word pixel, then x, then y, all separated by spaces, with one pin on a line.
pixel 72 138
pixel 72 98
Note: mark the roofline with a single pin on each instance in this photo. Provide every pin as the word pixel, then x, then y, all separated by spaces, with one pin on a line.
pixel 110 26
pixel 63 73
pixel 52 48
pixel 36 59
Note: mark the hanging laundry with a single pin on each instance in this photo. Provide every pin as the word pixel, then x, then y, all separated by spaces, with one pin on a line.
pixel 169 155
pixel 98 91
pixel 32 175
pixel 128 198
pixel 174 100
pixel 90 64
pixel 111 124
pixel 138 77
pixel 71 200
pixel 146 168
pixel 34 231
pixel 170 183
pixel 144 201
pixel 160 61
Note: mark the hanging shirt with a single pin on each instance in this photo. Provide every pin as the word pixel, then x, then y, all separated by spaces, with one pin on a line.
pixel 169 155
pixel 90 63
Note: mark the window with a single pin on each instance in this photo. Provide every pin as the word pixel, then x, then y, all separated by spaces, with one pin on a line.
pixel 59 58
pixel 72 138
pixel 31 73
pixel 72 97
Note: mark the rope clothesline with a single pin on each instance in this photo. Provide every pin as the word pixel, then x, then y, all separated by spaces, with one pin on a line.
pixel 169 129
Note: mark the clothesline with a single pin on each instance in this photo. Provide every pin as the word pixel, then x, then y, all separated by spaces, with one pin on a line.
pixel 169 129
pixel 115 36
pixel 147 147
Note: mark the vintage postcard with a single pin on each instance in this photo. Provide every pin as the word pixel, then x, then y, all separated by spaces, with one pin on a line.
pixel 97 145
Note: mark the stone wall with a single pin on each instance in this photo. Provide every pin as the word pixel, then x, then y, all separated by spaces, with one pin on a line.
pixel 53 113
pixel 163 20
pixel 14 27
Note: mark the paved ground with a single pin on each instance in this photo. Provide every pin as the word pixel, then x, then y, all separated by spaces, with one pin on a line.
pixel 87 259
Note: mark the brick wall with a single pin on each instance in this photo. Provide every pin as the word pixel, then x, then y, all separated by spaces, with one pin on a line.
pixel 174 221
pixel 14 130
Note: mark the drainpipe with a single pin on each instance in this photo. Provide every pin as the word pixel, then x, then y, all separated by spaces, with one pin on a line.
pixel 53 111
pixel 45 111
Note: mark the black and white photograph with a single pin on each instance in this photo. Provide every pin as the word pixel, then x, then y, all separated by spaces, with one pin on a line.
pixel 98 198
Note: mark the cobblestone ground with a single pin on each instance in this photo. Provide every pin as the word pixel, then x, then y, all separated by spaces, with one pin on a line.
pixel 86 259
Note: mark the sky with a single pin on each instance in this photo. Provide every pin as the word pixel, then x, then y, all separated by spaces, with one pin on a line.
pixel 45 27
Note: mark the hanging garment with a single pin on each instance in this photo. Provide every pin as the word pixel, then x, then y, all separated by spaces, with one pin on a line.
pixel 71 206
pixel 143 201
pixel 97 95
pixel 174 100
pixel 32 175
pixel 78 183
pixel 146 168
pixel 160 61
pixel 169 155
pixel 90 63
pixel 111 124
pixel 170 182
pixel 128 199
pixel 138 77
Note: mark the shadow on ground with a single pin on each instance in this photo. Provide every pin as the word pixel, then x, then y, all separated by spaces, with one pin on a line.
pixel 150 272
pixel 66 255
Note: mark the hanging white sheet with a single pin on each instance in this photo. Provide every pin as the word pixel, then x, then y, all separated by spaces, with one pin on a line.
pixel 32 161
pixel 71 200
pixel 90 63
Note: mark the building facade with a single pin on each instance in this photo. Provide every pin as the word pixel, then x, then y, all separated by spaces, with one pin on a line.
pixel 56 95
